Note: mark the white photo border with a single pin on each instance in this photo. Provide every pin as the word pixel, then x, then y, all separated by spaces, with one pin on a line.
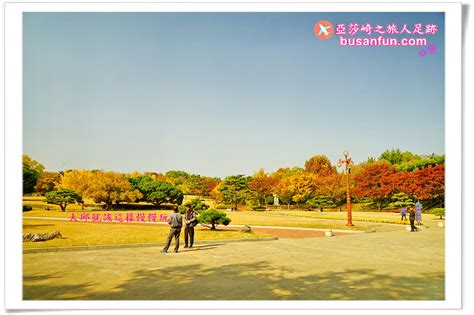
pixel 13 150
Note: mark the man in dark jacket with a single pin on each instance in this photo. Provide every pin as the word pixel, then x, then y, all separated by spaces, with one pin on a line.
pixel 191 222
pixel 176 222
pixel 412 220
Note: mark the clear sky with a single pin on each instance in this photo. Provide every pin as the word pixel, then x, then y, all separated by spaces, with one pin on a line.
pixel 222 93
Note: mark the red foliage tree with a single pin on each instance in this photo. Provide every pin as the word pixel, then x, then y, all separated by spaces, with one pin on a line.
pixel 263 186
pixel 429 186
pixel 376 181
pixel 333 186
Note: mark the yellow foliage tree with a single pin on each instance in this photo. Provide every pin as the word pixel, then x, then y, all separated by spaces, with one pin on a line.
pixel 106 187
pixel 303 185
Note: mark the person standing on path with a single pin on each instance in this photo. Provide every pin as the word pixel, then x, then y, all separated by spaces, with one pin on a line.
pixel 191 222
pixel 403 213
pixel 412 221
pixel 418 213
pixel 176 222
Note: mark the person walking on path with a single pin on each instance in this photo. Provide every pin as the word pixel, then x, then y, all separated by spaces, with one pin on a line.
pixel 176 222
pixel 191 222
pixel 418 213
pixel 412 221
pixel 403 213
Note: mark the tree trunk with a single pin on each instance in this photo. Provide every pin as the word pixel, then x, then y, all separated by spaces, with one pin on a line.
pixel 320 209
pixel 288 206
pixel 213 227
pixel 63 206
pixel 236 205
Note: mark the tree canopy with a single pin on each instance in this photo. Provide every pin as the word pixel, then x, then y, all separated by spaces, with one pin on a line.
pixel 235 189
pixel 214 217
pixel 157 192
pixel 396 178
pixel 63 197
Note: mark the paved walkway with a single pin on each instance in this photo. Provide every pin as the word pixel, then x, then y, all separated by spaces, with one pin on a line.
pixel 381 266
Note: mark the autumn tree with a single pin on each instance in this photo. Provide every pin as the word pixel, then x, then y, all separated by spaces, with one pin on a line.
pixel 284 187
pixel 262 185
pixel 429 186
pixel 216 194
pixel 107 187
pixel 63 197
pixel 285 191
pixel 235 189
pixel 375 182
pixel 201 185
pixel 47 182
pixel 333 186
pixel 319 165
pixel 79 181
pixel 302 186
pixel 110 188
pixel 285 172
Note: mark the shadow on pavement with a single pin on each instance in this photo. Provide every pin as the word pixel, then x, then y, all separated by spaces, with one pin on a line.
pixel 249 281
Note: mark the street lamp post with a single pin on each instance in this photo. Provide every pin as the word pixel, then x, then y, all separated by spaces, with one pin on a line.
pixel 347 162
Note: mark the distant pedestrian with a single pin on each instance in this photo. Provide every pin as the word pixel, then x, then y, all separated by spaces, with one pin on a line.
pixel 412 221
pixel 176 222
pixel 403 213
pixel 418 213
pixel 191 222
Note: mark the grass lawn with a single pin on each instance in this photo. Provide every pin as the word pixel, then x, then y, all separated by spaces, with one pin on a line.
pixel 82 234
pixel 291 218
pixel 357 216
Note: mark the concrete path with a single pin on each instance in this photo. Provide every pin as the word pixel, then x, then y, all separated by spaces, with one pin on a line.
pixel 372 266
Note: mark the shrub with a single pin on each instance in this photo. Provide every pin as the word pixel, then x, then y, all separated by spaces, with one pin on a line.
pixel 438 212
pixel 258 208
pixel 321 202
pixel 214 217
pixel 27 208
pixel 197 205
pixel 182 209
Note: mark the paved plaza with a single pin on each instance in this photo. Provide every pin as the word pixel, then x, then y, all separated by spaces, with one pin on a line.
pixel 396 265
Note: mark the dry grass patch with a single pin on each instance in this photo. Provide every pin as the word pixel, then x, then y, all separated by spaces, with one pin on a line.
pixel 85 234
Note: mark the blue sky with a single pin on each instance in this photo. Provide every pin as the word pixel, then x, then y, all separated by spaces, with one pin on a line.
pixel 222 93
